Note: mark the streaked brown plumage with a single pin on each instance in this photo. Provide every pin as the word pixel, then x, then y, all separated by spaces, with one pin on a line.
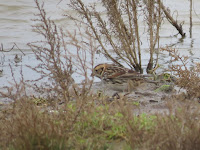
pixel 116 75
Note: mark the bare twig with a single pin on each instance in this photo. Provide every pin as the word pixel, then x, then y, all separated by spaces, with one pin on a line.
pixel 172 21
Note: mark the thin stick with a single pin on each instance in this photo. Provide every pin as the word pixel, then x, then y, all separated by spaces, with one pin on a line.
pixel 19 49
pixel 172 21
pixel 190 18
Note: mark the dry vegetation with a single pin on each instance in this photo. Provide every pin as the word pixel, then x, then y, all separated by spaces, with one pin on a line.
pixel 119 28
pixel 188 79
pixel 98 125
pixel 69 116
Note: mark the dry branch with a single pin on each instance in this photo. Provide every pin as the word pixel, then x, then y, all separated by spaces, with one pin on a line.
pixel 190 19
pixel 118 29
pixel 172 21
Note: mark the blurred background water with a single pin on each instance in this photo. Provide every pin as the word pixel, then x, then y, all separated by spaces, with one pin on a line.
pixel 16 27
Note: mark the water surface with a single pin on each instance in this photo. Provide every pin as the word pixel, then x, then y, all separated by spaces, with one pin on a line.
pixel 16 27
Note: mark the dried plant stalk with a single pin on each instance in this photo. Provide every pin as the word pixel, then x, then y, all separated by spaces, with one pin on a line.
pixel 118 29
pixel 187 79
pixel 172 21
pixel 61 54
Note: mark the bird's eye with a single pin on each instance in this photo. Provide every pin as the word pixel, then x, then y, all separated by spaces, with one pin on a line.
pixel 98 71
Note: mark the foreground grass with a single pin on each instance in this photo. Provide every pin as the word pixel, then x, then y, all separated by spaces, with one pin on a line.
pixel 25 125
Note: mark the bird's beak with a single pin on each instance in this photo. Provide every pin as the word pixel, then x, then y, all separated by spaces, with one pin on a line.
pixel 92 74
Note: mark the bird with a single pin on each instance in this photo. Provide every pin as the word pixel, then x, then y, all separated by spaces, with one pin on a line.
pixel 17 59
pixel 1 72
pixel 119 78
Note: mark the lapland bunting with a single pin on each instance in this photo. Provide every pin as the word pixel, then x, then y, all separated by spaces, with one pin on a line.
pixel 119 78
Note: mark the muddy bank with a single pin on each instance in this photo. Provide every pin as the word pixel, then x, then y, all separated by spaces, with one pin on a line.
pixel 146 98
